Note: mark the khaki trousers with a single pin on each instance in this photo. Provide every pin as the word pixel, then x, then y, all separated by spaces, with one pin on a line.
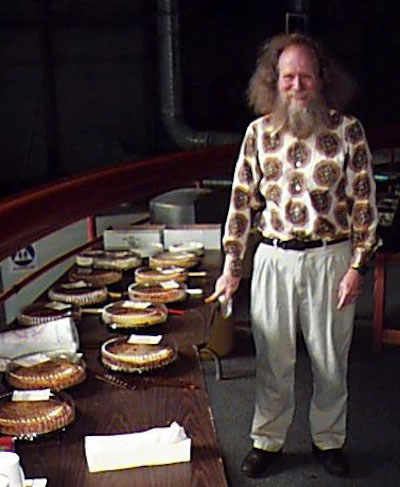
pixel 290 287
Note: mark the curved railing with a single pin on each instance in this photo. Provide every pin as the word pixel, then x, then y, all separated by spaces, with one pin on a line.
pixel 33 214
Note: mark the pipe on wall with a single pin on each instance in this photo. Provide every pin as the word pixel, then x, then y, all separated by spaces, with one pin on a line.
pixel 171 85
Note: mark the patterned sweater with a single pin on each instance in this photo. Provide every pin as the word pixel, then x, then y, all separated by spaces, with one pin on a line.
pixel 321 187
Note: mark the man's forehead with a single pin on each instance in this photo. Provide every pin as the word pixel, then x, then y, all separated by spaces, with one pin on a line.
pixel 300 55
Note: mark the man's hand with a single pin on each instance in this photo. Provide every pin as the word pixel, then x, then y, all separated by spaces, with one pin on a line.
pixel 225 286
pixel 349 288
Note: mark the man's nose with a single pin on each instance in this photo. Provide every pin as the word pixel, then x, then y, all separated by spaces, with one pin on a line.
pixel 297 83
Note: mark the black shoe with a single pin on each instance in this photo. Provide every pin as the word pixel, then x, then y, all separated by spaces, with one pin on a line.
pixel 333 461
pixel 257 462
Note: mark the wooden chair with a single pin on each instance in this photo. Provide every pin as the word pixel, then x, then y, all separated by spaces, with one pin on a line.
pixel 389 139
pixel 381 334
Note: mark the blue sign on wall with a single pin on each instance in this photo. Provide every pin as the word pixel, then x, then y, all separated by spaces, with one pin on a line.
pixel 25 258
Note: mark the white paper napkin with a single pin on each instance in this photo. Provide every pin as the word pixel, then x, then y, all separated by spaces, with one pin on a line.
pixel 156 446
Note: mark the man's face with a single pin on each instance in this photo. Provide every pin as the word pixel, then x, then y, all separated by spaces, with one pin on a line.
pixel 298 81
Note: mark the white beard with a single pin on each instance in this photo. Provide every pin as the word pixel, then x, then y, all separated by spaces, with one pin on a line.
pixel 301 121
pixel 298 119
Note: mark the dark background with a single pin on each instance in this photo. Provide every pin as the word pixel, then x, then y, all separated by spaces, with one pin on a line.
pixel 79 82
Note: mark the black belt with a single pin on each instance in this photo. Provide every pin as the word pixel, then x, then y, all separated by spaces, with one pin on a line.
pixel 299 244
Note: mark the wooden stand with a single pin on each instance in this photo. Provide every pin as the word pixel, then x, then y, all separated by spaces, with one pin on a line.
pixel 382 335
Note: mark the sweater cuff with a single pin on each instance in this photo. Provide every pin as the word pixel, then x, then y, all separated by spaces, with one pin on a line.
pixel 361 270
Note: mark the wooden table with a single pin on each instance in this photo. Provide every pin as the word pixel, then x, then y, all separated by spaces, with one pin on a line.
pixel 104 409
pixel 176 393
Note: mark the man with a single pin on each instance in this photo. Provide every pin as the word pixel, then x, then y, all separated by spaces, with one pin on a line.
pixel 307 167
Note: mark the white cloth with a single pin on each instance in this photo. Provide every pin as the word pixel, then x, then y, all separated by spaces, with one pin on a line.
pixel 10 467
pixel 54 335
pixel 157 446
pixel 300 286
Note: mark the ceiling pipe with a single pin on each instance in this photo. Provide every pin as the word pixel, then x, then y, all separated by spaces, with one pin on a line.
pixel 171 85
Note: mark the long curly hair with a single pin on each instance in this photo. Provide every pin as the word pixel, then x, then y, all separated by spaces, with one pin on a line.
pixel 338 88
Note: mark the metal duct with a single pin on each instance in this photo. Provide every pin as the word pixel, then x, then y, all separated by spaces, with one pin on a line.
pixel 171 85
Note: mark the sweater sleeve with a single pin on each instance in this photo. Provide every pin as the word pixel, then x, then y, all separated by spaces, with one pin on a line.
pixel 361 196
pixel 244 198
